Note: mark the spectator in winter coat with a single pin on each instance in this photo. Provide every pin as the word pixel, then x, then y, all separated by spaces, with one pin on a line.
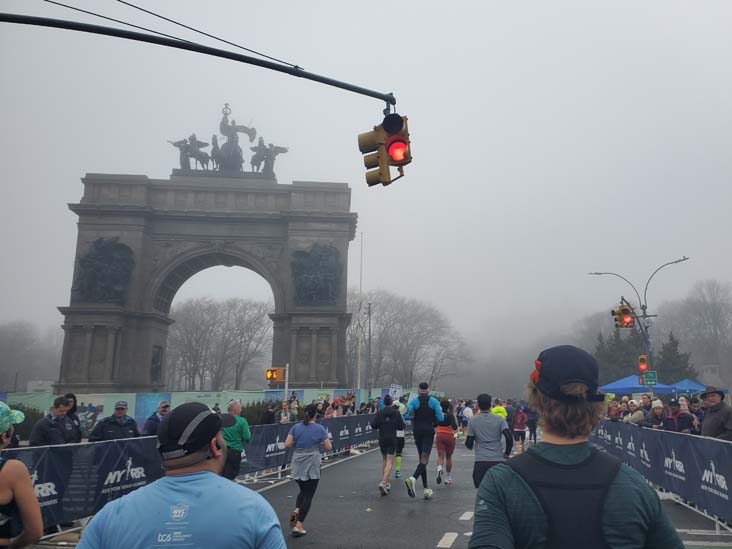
pixel 655 419
pixel 676 420
pixel 268 416
pixel 75 434
pixel 116 426
pixel 153 422
pixel 53 429
pixel 696 410
pixel 718 416
pixel 635 414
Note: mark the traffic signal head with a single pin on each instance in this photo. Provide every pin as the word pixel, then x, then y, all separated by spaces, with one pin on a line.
pixel 627 318
pixel 643 363
pixel 641 380
pixel 624 317
pixel 387 145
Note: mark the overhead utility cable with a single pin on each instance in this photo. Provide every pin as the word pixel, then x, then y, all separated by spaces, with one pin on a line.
pixel 116 20
pixel 205 33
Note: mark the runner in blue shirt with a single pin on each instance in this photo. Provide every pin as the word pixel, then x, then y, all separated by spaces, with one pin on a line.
pixel 425 412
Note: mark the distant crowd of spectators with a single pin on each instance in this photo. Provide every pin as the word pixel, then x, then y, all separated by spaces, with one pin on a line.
pixel 705 415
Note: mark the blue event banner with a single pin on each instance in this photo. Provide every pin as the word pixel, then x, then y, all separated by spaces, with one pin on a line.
pixel 74 481
pixel 698 469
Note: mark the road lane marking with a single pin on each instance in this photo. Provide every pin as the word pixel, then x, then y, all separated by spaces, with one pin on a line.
pixel 467 515
pixel 447 540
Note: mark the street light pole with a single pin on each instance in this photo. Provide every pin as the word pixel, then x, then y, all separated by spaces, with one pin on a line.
pixel 645 325
pixel 369 368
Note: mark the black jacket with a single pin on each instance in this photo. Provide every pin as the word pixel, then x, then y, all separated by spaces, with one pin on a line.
pixel 684 422
pixel 111 429
pixel 75 434
pixel 388 421
pixel 51 431
pixel 151 425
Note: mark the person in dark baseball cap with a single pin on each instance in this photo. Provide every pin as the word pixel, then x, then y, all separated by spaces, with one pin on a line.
pixel 191 429
pixel 192 504
pixel 563 492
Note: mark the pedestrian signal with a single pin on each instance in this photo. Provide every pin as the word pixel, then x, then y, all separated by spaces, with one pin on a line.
pixel 275 374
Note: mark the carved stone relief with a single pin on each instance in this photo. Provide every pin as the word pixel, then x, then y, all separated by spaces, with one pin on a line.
pixel 316 275
pixel 104 273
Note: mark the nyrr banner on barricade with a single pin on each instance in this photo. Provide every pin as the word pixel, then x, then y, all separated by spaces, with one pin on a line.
pixel 698 469
pixel 267 450
pixel 76 480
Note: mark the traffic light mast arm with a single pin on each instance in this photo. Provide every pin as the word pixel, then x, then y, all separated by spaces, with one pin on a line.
pixel 191 46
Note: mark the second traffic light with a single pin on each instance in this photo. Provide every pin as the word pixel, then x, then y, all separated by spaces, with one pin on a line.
pixel 643 363
pixel 624 316
pixel 386 145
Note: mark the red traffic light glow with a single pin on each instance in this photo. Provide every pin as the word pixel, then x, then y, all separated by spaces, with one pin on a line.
pixel 397 150
pixel 643 366
pixel 627 319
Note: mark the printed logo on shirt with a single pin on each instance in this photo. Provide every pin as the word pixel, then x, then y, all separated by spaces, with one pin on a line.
pixel 674 467
pixel 45 491
pixel 120 479
pixel 644 457
pixel 714 482
pixel 179 512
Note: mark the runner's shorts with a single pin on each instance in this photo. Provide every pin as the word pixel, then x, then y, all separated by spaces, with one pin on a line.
pixel 519 435
pixel 423 440
pixel 445 443
pixel 480 469
pixel 388 446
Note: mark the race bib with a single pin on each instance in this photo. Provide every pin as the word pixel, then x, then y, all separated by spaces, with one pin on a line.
pixel 400 434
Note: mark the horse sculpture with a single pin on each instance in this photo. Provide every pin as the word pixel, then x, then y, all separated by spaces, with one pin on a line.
pixel 201 157
pixel 216 155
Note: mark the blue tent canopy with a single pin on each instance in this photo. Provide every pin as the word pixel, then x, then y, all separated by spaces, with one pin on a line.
pixel 629 385
pixel 688 386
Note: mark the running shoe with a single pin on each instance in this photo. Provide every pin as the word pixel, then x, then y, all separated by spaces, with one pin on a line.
pixel 439 476
pixel 449 479
pixel 397 474
pixel 427 493
pixel 382 488
pixel 410 482
pixel 298 530
pixel 388 487
pixel 293 517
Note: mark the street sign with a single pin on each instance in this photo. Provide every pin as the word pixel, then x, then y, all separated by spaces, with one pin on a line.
pixel 651 378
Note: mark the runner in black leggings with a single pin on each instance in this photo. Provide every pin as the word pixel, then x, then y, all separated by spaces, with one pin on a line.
pixel 425 412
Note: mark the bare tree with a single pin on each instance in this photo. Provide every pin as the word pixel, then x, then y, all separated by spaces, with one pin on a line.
pixel 213 343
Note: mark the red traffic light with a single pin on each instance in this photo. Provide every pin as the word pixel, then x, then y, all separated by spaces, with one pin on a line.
pixel 627 319
pixel 643 363
pixel 397 150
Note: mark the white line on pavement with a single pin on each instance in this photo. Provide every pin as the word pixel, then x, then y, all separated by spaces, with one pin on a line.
pixel 447 540
pixel 467 515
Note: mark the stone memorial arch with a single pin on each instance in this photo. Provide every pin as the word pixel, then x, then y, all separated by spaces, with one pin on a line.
pixel 140 239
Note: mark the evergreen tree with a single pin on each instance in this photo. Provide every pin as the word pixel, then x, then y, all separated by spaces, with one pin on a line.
pixel 672 365
pixel 618 354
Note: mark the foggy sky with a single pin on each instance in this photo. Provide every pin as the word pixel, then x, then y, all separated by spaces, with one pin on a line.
pixel 549 139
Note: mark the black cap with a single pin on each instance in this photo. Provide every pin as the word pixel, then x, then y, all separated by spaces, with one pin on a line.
pixel 673 402
pixel 188 428
pixel 565 364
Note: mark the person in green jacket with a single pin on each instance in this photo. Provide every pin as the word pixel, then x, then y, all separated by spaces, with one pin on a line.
pixel 235 437
pixel 563 492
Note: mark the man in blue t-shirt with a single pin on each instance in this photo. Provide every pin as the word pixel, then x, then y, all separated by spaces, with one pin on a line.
pixel 191 506
pixel 425 412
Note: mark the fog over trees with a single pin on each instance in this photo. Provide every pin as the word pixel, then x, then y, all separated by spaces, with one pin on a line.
pixel 412 340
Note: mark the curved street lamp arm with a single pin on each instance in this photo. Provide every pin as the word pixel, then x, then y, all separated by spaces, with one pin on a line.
pixel 645 291
pixel 640 303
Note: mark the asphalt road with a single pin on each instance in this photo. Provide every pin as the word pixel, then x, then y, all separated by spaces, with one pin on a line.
pixel 349 512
